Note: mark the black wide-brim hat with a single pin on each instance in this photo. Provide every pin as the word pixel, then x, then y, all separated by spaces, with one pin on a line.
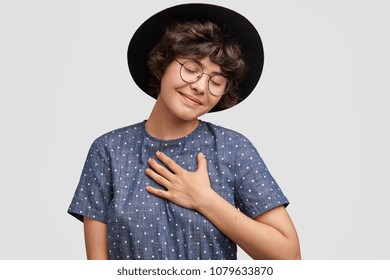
pixel 235 24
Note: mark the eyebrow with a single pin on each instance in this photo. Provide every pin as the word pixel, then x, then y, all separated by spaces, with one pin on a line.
pixel 212 73
pixel 203 66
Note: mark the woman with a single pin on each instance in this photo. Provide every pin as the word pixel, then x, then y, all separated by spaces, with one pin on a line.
pixel 170 187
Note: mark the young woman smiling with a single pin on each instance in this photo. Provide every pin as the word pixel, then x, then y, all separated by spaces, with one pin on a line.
pixel 174 186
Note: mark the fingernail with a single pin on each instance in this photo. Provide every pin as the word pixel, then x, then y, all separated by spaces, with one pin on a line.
pixel 158 153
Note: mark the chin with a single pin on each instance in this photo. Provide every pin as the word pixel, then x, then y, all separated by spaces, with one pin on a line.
pixel 187 112
pixel 185 116
pixel 189 118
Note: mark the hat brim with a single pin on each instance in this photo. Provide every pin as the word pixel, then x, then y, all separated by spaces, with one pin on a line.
pixel 238 27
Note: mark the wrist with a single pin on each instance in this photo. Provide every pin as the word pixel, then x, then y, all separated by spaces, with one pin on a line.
pixel 206 199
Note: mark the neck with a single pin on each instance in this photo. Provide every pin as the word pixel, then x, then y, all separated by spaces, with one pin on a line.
pixel 165 126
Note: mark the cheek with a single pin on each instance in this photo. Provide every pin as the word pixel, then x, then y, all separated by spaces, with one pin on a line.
pixel 171 80
pixel 214 100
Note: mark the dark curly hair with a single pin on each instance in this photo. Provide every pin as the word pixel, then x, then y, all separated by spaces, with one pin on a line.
pixel 199 40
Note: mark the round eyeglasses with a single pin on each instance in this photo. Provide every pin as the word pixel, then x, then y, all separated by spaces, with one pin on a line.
pixel 191 71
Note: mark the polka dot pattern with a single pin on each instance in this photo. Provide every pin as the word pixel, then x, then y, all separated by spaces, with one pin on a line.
pixel 143 226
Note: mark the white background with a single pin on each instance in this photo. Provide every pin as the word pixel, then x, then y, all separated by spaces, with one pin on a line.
pixel 319 116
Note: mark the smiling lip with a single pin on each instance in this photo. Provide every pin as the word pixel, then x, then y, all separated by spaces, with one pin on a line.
pixel 191 99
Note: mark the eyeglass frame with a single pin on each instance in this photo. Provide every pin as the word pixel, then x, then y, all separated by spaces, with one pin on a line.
pixel 200 76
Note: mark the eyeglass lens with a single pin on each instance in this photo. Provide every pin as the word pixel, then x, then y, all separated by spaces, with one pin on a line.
pixel 190 72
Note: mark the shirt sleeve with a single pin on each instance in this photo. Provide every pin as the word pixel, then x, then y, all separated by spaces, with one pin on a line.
pixel 256 191
pixel 94 191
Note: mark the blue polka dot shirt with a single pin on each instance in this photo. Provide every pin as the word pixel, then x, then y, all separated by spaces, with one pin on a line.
pixel 145 227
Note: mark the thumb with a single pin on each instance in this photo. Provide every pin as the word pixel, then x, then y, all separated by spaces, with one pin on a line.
pixel 202 162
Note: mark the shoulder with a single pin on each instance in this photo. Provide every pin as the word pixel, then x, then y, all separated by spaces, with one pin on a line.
pixel 226 134
pixel 119 136
pixel 121 133
pixel 233 142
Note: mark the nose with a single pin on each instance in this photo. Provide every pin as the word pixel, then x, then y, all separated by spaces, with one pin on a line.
pixel 201 85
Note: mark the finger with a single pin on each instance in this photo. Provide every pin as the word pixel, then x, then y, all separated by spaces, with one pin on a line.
pixel 170 163
pixel 202 162
pixel 158 168
pixel 158 192
pixel 157 178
